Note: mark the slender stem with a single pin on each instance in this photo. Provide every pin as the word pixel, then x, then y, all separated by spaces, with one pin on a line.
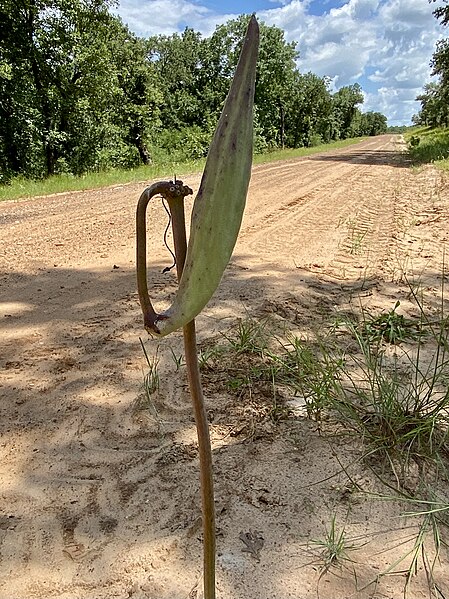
pixel 175 192
pixel 176 205
pixel 205 452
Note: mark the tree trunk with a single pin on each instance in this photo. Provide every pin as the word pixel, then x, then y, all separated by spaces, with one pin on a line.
pixel 143 152
pixel 282 124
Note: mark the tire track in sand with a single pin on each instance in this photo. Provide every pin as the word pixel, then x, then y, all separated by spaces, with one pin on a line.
pixel 341 221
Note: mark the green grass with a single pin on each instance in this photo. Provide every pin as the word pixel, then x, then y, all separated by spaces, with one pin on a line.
pixel 433 515
pixel 427 145
pixel 368 375
pixel 26 188
pixel 290 153
pixel 151 382
pixel 371 373
pixel 311 371
pixel 400 407
pixel 250 336
pixel 390 326
pixel 334 547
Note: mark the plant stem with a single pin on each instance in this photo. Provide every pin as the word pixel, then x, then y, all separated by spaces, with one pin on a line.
pixel 176 205
pixel 174 192
pixel 205 452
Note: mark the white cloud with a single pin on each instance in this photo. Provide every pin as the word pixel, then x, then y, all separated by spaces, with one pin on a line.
pixel 385 45
pixel 154 17
pixel 392 101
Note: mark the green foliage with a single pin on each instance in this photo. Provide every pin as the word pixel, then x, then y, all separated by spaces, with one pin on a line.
pixel 188 143
pixel 150 379
pixel 372 123
pixel 163 165
pixel 435 96
pixel 80 93
pixel 390 326
pixel 345 113
pixel 398 129
pixel 397 402
pixel 249 337
pixel 20 187
pixel 310 110
pixel 334 547
pixel 401 410
pixel 434 107
pixel 275 78
pixel 442 12
pixel 429 145
pixel 315 140
pixel 176 63
pixel 312 372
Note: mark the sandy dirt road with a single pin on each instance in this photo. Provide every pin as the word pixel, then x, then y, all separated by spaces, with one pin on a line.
pixel 99 498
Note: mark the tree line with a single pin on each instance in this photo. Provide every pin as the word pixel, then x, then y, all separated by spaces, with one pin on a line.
pixel 434 98
pixel 80 92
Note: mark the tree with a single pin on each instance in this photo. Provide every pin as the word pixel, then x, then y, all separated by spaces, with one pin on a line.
pixel 372 123
pixel 433 111
pixel 435 97
pixel 275 81
pixel 194 75
pixel 38 41
pixel 442 12
pixel 275 73
pixel 311 105
pixel 177 63
pixel 344 109
pixel 77 93
pixel 440 100
pixel 80 92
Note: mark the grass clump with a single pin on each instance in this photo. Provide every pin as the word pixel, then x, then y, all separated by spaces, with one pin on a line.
pixel 433 514
pixel 399 406
pixel 397 397
pixel 379 376
pixel 250 336
pixel 390 327
pixel 150 384
pixel 333 547
pixel 311 371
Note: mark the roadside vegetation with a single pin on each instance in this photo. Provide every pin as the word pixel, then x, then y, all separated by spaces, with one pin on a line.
pixel 80 94
pixel 426 145
pixel 429 142
pixel 20 187
pixel 380 380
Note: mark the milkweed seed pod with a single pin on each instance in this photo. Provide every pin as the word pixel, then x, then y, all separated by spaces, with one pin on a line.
pixel 218 207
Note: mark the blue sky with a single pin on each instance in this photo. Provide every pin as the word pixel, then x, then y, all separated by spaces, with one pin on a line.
pixel 384 45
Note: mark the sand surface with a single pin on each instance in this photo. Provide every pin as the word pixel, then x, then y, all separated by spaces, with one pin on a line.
pixel 99 491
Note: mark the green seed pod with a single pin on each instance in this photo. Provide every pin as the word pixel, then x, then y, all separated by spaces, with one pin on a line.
pixel 218 208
